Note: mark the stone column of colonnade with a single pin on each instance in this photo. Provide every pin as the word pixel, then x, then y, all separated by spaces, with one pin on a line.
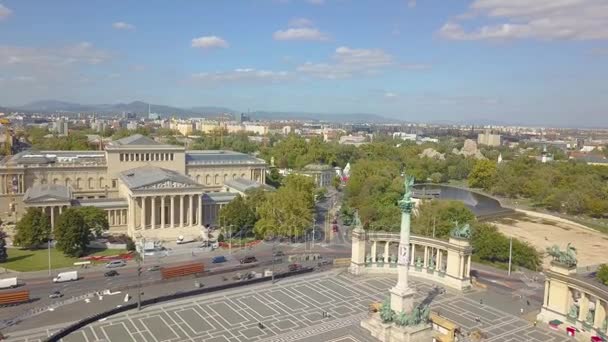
pixel 150 212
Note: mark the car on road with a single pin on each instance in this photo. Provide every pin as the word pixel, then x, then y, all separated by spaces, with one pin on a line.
pixel 154 268
pixel 111 273
pixel 55 294
pixel 335 228
pixel 278 254
pixel 218 259
pixel 294 267
pixel 116 263
pixel 248 259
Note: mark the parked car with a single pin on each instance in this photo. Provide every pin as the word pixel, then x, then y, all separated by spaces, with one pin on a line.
pixel 335 228
pixel 278 254
pixel 116 263
pixel 294 267
pixel 154 268
pixel 248 259
pixel 111 273
pixel 55 294
pixel 218 259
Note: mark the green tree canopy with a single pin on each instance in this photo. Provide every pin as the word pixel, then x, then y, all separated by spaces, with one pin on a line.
pixel 95 218
pixel 72 232
pixel 602 274
pixel 33 229
pixel 483 174
pixel 440 216
pixel 238 213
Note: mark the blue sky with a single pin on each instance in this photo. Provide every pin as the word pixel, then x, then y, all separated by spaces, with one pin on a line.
pixel 537 62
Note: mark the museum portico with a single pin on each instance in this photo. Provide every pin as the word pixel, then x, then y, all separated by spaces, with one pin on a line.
pixel 148 189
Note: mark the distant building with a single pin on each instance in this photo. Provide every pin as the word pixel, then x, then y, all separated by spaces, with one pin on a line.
pixel 154 116
pixel 60 127
pixel 321 173
pixel 405 136
pixel 356 140
pixel 488 138
pixel 132 125
pixel 286 130
pixel 242 185
pixel 184 128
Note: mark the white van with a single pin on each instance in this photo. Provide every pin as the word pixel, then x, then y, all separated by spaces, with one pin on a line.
pixel 66 276
pixel 116 263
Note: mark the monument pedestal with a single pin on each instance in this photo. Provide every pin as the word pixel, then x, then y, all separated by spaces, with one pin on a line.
pixel 390 332
pixel 402 299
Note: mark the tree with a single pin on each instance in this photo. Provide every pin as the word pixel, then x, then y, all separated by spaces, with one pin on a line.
pixel 72 233
pixel 238 213
pixel 336 182
pixel 492 246
pixel 440 216
pixel 602 274
pixel 483 174
pixel 33 229
pixel 94 218
pixel 3 254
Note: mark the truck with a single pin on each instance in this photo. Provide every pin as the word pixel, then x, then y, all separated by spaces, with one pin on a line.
pixel 14 297
pixel 66 276
pixel 195 269
pixel 8 283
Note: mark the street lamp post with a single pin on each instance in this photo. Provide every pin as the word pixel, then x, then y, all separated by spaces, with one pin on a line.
pixel 274 245
pixel 49 251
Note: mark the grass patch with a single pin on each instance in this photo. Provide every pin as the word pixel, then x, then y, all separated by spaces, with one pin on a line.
pixel 23 260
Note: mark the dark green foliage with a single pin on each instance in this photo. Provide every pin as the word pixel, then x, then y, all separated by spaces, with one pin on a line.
pixel 442 216
pixel 602 274
pixel 218 140
pixel 239 213
pixel 3 254
pixel 96 219
pixel 33 229
pixel 72 233
pixel 492 246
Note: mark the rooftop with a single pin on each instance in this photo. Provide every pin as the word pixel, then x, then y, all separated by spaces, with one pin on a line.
pixel 317 167
pixel 47 158
pixel 47 193
pixel 242 184
pixel 103 203
pixel 138 141
pixel 146 177
pixel 220 157
pixel 218 197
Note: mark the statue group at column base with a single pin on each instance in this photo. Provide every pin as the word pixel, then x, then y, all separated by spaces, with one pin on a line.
pixel 410 325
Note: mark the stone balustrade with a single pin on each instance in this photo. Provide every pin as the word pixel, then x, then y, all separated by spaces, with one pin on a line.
pixel 446 262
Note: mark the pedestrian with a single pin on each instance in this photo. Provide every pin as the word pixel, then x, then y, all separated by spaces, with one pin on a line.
pixel 260 325
pixel 521 310
pixel 527 302
pixel 480 301
pixel 535 323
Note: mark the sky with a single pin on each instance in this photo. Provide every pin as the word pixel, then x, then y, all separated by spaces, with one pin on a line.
pixel 542 62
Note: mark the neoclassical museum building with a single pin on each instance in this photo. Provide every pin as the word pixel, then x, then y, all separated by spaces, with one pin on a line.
pixel 148 189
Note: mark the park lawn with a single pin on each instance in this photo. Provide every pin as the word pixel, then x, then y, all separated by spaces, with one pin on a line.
pixel 22 260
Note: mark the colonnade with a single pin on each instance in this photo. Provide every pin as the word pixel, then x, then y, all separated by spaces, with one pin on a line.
pixel 117 217
pixel 165 211
pixel 6 184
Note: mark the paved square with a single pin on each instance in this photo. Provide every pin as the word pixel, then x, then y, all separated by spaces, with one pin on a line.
pixel 292 310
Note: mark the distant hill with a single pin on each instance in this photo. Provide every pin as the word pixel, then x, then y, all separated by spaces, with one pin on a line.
pixel 141 108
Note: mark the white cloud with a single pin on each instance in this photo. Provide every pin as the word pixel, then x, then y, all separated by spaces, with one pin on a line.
pixel 301 33
pixel 300 22
pixel 82 53
pixel 5 12
pixel 121 25
pixel 348 62
pixel 209 42
pixel 245 75
pixel 538 19
pixel 390 95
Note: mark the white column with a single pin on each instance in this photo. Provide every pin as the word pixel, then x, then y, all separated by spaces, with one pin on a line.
pixel 162 212
pixel 387 245
pixel 461 265
pixel 190 207
pixel 181 211
pixel 413 258
pixel 52 217
pixel 143 212
pixel 199 219
pixel 60 209
pixel 426 256
pixel 153 210
pixel 172 211
pixel 468 267
pixel 109 217
pixel 373 251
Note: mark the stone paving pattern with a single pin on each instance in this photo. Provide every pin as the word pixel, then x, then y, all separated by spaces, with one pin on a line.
pixel 292 311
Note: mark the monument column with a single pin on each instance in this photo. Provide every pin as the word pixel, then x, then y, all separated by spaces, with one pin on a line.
pixel 402 296
pixel 357 261
pixel 172 211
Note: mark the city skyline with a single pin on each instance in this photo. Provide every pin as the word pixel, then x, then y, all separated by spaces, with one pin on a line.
pixel 492 59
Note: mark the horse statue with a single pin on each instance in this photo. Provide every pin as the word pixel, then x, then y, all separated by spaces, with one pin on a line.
pixel 567 257
pixel 461 232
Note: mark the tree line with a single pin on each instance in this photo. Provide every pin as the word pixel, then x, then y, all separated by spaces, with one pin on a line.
pixel 73 231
